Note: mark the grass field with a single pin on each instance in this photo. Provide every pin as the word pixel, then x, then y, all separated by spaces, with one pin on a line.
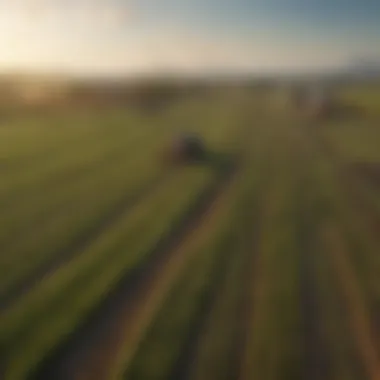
pixel 261 264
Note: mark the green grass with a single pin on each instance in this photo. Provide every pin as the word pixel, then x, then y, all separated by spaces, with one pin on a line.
pixel 336 203
pixel 64 172
pixel 274 339
pixel 59 304
pixel 367 97
pixel 161 347
pixel 219 346
pixel 48 313
pixel 356 141
pixel 60 207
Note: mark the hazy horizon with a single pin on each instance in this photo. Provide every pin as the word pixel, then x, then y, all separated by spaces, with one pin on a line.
pixel 115 37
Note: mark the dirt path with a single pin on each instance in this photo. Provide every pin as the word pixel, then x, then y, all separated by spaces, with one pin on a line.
pixel 315 364
pixel 90 353
pixel 358 316
pixel 184 369
pixel 354 184
pixel 245 308
pixel 79 243
pixel 188 354
pixel 315 360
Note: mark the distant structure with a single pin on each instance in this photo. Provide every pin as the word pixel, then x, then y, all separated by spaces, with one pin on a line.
pixel 320 102
pixel 186 148
pixel 40 93
pixel 35 90
pixel 314 101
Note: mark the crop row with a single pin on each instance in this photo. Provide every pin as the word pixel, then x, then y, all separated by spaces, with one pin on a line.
pixel 52 310
pixel 54 307
pixel 221 345
pixel 51 219
pixel 73 211
pixel 344 270
pixel 83 352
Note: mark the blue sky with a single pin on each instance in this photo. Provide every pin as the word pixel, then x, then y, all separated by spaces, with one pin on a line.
pixel 128 36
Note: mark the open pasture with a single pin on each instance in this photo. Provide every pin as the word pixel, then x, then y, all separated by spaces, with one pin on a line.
pixel 262 263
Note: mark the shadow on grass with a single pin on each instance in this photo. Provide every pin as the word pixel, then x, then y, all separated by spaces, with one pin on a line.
pixel 365 171
pixel 218 161
pixel 347 112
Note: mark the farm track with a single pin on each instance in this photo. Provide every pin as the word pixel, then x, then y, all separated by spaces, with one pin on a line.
pixel 98 340
pixel 187 356
pixel 182 368
pixel 251 243
pixel 364 318
pixel 315 361
pixel 245 308
pixel 80 243
pixel 356 186
pixel 358 315
pixel 315 364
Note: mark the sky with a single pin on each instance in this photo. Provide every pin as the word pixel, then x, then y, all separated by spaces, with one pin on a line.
pixel 122 37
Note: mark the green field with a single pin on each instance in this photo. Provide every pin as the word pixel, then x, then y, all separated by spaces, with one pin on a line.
pixel 262 263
